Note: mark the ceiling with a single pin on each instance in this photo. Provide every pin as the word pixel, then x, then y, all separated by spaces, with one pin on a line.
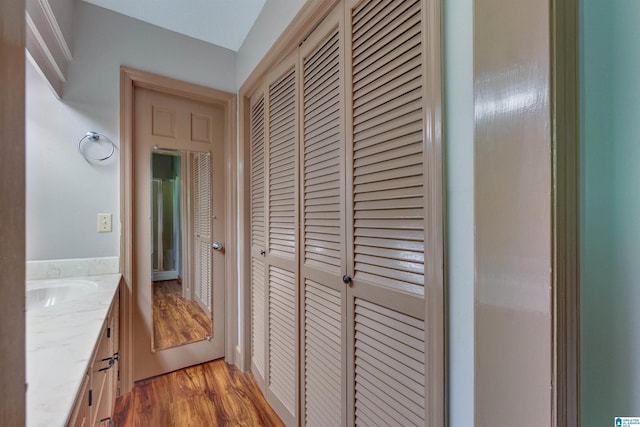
pixel 221 22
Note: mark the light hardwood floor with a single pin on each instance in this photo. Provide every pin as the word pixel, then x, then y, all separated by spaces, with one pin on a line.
pixel 207 395
pixel 176 320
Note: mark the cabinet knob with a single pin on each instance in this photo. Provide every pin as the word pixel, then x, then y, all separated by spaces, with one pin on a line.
pixel 346 279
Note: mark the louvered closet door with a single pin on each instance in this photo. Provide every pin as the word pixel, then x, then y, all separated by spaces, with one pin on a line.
pixel 258 243
pixel 386 215
pixel 281 294
pixel 323 263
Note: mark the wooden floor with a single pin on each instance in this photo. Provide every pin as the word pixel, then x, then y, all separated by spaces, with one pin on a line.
pixel 207 395
pixel 176 320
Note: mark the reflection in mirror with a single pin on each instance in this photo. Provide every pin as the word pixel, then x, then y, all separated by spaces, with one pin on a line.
pixel 181 247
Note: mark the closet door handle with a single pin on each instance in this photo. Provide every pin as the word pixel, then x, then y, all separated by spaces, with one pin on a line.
pixel 346 279
pixel 262 252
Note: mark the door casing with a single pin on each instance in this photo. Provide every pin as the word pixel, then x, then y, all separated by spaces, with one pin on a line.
pixel 129 80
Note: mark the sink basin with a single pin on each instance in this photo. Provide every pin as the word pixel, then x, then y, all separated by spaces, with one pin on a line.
pixel 50 293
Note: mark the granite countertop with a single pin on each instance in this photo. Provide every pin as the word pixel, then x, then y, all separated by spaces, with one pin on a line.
pixel 60 342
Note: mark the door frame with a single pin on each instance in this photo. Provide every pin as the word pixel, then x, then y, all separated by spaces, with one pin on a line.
pixel 565 193
pixel 130 79
pixel 12 198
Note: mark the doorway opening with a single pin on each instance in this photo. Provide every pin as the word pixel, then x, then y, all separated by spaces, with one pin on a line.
pixel 159 245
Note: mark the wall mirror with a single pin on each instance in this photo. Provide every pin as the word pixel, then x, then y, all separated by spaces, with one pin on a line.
pixel 180 247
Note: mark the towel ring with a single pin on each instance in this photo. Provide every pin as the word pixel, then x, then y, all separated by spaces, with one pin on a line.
pixel 94 137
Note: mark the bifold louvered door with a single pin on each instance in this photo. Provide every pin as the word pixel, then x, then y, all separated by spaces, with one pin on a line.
pixel 386 172
pixel 281 261
pixel 258 243
pixel 353 254
pixel 322 246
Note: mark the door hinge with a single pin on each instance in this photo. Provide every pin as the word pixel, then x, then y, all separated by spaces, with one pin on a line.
pixel 108 332
pixel 90 397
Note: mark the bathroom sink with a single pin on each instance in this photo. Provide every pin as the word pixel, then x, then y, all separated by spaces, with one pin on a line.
pixel 51 293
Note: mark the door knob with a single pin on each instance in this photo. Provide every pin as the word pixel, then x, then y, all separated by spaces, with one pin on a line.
pixel 217 246
pixel 346 279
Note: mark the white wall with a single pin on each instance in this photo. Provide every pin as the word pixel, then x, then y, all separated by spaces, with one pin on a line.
pixel 610 223
pixel 272 21
pixel 64 192
pixel 459 125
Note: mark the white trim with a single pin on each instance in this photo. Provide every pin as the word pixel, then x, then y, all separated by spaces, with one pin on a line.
pixel 55 28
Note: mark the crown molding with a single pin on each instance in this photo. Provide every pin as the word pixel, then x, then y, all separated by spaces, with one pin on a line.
pixel 46 44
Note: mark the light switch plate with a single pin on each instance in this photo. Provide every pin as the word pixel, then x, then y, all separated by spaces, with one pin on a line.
pixel 104 223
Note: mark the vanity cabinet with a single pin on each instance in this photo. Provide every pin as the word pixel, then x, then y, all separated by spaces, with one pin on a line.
pixel 78 416
pixel 95 399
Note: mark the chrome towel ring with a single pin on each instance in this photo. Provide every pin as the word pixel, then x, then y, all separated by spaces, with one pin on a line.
pixel 95 137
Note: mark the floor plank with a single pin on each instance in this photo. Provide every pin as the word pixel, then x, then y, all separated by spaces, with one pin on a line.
pixel 176 320
pixel 207 395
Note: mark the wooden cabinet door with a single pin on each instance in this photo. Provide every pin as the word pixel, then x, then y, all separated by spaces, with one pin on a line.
pixel 80 413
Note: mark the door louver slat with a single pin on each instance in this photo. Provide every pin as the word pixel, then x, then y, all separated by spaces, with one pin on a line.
pixel 389 368
pixel 323 342
pixel 388 146
pixel 282 119
pixel 322 151
pixel 257 174
pixel 282 335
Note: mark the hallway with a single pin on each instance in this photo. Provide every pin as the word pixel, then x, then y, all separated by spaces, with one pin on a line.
pixel 211 394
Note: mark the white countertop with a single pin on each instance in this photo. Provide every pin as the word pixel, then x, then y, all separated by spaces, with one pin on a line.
pixel 60 341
